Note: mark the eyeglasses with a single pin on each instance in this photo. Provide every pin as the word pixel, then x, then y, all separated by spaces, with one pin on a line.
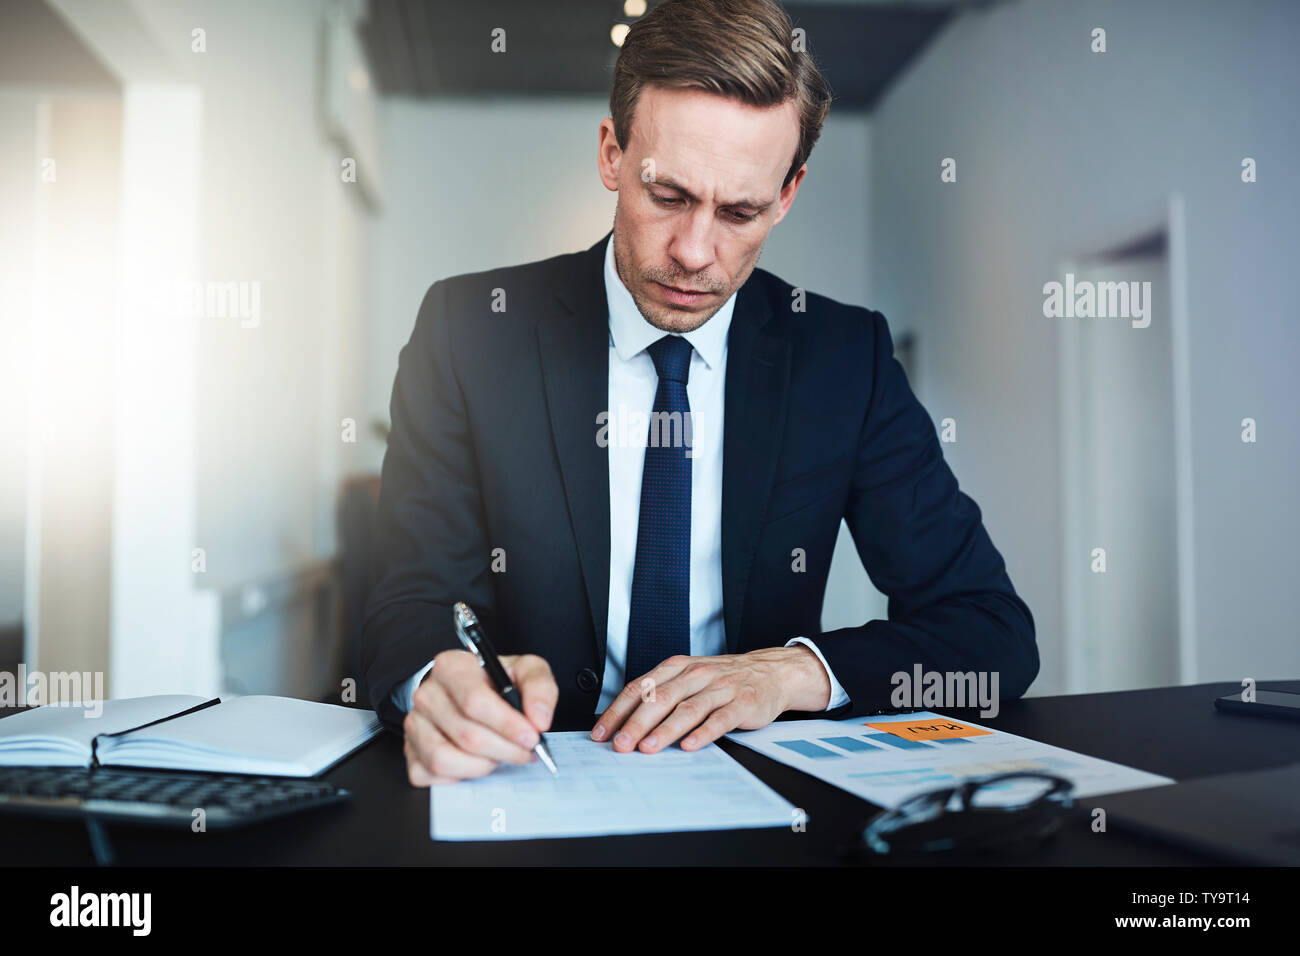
pixel 1008 811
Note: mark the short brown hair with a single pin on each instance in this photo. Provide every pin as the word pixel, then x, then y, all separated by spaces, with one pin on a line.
pixel 741 49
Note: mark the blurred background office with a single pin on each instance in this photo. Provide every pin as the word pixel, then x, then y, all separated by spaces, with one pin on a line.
pixel 220 216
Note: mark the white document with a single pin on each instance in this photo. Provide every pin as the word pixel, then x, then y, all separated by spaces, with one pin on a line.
pixel 926 751
pixel 599 791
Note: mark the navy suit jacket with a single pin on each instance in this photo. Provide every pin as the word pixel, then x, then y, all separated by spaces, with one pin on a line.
pixel 494 446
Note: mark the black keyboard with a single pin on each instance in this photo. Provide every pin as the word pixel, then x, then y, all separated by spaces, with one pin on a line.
pixel 163 797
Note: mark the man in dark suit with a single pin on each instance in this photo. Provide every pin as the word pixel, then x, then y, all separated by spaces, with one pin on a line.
pixel 633 461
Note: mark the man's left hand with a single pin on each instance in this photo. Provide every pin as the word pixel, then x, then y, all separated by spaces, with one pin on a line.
pixel 702 698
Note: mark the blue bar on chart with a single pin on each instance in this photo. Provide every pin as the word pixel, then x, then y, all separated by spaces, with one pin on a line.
pixel 900 742
pixel 855 744
pixel 807 748
pixel 951 740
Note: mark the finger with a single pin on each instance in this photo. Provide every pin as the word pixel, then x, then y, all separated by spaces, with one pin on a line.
pixel 537 688
pixel 643 690
pixel 663 696
pixel 440 757
pixel 684 718
pixel 481 740
pixel 416 772
pixel 722 721
pixel 440 703
pixel 633 695
pixel 478 701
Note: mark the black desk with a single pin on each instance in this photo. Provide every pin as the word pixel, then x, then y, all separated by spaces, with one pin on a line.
pixel 1172 731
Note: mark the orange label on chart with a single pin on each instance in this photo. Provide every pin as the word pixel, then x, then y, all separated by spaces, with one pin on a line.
pixel 929 729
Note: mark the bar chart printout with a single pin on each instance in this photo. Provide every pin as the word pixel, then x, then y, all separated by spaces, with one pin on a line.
pixel 888 759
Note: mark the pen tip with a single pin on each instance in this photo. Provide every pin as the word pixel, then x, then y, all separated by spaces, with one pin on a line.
pixel 544 756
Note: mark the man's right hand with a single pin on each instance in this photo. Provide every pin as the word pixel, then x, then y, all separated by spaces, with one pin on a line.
pixel 460 727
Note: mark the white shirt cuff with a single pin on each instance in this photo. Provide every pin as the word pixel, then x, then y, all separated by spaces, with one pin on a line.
pixel 404 692
pixel 838 695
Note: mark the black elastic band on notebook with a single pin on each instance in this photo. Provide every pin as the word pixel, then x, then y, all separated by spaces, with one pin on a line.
pixel 94 741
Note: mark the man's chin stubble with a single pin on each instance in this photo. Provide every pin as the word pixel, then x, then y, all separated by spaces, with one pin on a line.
pixel 676 320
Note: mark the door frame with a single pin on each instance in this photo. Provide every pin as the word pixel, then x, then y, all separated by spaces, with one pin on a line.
pixel 1169 219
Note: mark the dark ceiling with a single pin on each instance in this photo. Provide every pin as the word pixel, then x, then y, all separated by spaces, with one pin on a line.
pixel 434 47
pixel 39 49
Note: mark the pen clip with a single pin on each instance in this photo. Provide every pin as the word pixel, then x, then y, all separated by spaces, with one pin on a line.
pixel 464 619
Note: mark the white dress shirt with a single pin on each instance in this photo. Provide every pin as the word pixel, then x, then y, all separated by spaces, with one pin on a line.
pixel 633 382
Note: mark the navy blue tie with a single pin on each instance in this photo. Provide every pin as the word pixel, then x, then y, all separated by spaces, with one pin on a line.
pixel 659 622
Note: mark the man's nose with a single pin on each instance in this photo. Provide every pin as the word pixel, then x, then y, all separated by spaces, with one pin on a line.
pixel 692 244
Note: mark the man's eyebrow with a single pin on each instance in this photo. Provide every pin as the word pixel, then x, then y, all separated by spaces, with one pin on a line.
pixel 758 204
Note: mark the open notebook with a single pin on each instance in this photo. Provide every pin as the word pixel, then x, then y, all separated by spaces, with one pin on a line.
pixel 278 736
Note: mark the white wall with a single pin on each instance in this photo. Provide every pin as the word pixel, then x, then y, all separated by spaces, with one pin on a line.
pixel 1057 147
pixel 479 183
pixel 41 61
pixel 228 436
pixel 275 211
pixel 18 160
pixel 473 184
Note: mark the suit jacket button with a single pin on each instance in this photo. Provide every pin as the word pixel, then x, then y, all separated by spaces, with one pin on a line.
pixel 588 681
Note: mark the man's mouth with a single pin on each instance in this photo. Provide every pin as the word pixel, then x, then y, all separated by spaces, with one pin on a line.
pixel 680 296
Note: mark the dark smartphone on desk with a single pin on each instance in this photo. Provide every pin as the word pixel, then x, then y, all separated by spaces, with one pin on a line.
pixel 1267 703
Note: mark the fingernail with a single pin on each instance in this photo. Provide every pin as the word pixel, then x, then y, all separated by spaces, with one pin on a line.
pixel 526 741
pixel 598 732
pixel 541 712
pixel 688 742
pixel 622 740
pixel 651 740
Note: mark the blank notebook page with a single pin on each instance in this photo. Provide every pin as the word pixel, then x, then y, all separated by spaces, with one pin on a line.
pixel 60 735
pixel 258 734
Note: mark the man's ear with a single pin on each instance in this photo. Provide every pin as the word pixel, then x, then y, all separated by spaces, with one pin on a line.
pixel 788 191
pixel 609 155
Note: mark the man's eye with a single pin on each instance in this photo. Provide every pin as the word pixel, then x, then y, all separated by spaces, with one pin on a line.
pixel 666 200
pixel 741 217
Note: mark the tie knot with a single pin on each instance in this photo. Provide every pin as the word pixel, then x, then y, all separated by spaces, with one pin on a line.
pixel 672 357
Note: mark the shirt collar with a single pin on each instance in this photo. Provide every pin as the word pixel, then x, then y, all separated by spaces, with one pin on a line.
pixel 630 333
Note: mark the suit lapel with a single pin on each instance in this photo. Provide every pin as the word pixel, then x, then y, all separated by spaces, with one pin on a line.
pixel 574 349
pixel 758 379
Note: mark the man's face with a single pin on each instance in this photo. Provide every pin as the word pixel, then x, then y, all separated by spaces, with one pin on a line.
pixel 699 188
